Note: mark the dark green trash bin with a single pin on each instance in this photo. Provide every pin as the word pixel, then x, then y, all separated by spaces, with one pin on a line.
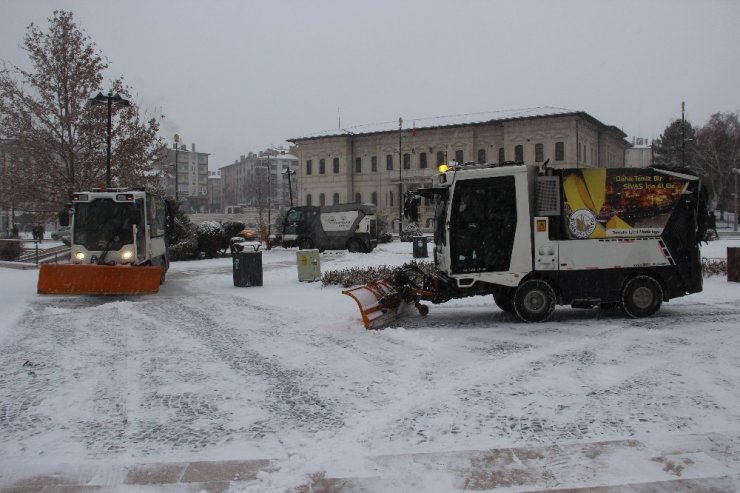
pixel 420 247
pixel 247 269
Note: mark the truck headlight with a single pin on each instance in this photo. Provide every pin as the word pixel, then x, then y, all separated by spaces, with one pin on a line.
pixel 127 255
pixel 80 256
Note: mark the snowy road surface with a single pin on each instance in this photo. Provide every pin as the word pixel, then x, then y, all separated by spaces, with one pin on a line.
pixel 285 372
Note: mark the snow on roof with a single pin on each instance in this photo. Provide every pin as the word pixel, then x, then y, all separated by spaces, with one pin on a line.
pixel 442 121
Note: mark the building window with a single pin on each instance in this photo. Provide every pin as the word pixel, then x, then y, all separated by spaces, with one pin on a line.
pixel 560 151
pixel 481 156
pixel 358 198
pixel 389 162
pixel 309 201
pixel 390 199
pixel 322 166
pixel 309 165
pixel 335 199
pixel 440 157
pixel 407 161
pixel 501 155
pixel 459 156
pixel 336 165
pixel 322 200
pixel 374 198
pixel 374 164
pixel 519 153
pixel 539 153
pixel 423 160
pixel 358 165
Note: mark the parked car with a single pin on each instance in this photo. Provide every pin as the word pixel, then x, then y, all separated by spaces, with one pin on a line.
pixel 62 234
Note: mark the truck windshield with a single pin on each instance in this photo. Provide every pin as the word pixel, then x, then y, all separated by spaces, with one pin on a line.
pixel 104 224
pixel 292 221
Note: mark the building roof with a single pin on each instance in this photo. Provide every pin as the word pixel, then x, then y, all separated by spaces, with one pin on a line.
pixel 482 118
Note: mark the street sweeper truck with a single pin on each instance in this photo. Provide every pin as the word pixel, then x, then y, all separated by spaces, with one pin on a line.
pixel 118 244
pixel 535 237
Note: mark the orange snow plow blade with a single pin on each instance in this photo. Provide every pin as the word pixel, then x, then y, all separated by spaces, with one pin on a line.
pixel 379 303
pixel 98 279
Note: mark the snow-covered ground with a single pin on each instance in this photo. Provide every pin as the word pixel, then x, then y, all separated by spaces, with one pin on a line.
pixel 205 371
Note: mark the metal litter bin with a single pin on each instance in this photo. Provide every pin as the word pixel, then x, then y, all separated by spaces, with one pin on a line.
pixel 733 264
pixel 309 265
pixel 247 269
pixel 420 247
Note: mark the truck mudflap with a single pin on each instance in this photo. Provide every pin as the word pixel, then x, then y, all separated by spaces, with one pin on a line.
pixel 98 279
pixel 381 302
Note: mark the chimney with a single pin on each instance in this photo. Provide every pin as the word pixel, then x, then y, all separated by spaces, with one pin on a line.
pixel 193 146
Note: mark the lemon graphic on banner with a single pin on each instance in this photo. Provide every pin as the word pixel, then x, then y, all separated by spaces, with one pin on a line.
pixel 587 192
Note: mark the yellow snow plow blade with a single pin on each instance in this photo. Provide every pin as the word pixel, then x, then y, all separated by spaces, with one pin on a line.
pixel 379 303
pixel 98 279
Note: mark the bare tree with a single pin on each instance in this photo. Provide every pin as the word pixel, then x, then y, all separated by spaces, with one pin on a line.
pixel 717 151
pixel 45 112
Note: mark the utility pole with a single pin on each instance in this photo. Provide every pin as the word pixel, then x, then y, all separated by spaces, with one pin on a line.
pixel 400 178
pixel 177 145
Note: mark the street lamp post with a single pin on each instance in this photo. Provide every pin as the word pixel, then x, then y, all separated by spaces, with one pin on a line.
pixel 177 146
pixel 269 204
pixel 289 172
pixel 735 171
pixel 400 178
pixel 110 100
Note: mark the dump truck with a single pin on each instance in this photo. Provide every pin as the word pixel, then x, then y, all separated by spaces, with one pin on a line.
pixel 336 227
pixel 118 242
pixel 534 237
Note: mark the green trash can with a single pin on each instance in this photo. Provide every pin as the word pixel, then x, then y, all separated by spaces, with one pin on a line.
pixel 247 269
pixel 309 265
pixel 420 247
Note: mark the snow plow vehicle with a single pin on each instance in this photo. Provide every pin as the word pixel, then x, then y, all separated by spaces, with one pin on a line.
pixel 118 245
pixel 535 237
pixel 335 227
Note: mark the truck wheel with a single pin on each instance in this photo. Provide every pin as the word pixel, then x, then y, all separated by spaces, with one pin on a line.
pixel 305 244
pixel 504 299
pixel 354 246
pixel 641 296
pixel 534 301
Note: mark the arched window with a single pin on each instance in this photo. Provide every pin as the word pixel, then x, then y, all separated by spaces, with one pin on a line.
pixel 459 158
pixel 390 199
pixel 539 153
pixel 440 157
pixel 358 198
pixel 407 161
pixel 336 165
pixel 358 165
pixel 423 160
pixel 519 153
pixel 501 155
pixel 322 166
pixel 335 199
pixel 322 200
pixel 308 167
pixel 559 151
pixel 389 162
pixel 481 156
pixel 309 200
pixel 375 198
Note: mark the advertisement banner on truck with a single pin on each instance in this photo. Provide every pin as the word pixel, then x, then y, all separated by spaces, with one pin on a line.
pixel 606 203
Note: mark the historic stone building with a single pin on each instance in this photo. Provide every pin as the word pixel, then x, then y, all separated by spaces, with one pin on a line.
pixel 378 163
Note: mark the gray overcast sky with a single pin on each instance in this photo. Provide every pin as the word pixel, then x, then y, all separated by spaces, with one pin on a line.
pixel 239 76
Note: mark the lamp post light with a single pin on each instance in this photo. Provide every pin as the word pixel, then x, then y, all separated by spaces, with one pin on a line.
pixel 110 100
pixel 735 171
pixel 289 172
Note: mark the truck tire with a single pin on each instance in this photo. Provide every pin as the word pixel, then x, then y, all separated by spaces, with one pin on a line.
pixel 355 246
pixel 641 296
pixel 504 299
pixel 534 301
